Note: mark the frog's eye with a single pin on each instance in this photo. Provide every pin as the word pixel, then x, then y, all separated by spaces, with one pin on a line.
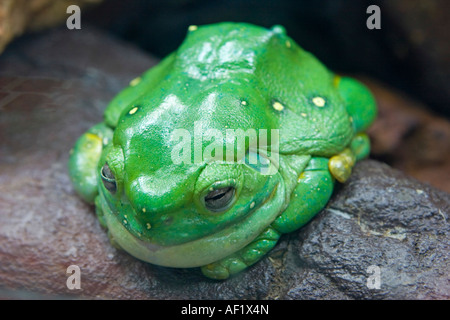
pixel 219 199
pixel 108 179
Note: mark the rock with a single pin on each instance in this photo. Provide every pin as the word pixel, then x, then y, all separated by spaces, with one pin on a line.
pixel 378 218
pixel 54 86
pixel 19 16
pixel 409 138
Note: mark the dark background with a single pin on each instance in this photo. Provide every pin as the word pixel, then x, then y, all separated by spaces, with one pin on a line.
pixel 410 53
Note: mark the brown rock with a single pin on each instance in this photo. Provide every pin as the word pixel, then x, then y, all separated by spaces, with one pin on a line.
pixel 409 138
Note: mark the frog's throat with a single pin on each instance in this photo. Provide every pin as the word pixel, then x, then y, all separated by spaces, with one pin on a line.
pixel 205 250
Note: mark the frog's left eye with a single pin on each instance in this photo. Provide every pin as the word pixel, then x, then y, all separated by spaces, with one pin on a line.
pixel 219 199
pixel 108 179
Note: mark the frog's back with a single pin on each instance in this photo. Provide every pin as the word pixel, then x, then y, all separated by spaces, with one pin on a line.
pixel 221 51
pixel 297 93
pixel 300 91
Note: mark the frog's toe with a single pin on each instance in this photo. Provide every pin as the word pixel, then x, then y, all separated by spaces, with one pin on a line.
pixel 224 268
pixel 341 165
pixel 244 258
pixel 215 271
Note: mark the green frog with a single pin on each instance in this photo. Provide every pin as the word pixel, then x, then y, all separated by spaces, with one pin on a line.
pixel 174 188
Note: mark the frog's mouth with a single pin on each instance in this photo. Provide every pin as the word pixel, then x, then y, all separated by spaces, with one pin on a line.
pixel 204 250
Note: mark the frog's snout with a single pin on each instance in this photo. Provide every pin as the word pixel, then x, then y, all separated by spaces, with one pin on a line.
pixel 148 196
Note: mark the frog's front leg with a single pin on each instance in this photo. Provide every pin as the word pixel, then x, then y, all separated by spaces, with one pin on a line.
pixel 84 159
pixel 313 190
pixel 245 257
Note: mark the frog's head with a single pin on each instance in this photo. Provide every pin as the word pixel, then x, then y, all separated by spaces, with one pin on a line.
pixel 168 199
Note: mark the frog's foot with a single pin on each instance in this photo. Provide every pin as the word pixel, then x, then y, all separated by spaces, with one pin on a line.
pixel 311 194
pixel 245 257
pixel 84 159
pixel 341 165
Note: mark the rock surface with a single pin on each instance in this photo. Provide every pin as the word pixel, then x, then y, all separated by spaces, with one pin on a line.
pixel 55 86
pixel 409 138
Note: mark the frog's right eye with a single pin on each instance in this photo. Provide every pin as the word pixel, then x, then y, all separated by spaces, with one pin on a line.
pixel 108 179
pixel 219 199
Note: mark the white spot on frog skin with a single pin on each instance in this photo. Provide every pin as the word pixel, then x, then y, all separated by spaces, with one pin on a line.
pixel 419 191
pixel 192 28
pixel 135 81
pixel 148 226
pixel 144 210
pixel 133 111
pixel 288 44
pixel 277 106
pixel 319 101
pixel 304 115
pixel 105 141
pixel 252 205
pixel 125 221
pixel 244 103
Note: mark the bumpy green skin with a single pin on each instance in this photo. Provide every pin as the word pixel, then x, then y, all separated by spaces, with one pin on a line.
pixel 157 213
